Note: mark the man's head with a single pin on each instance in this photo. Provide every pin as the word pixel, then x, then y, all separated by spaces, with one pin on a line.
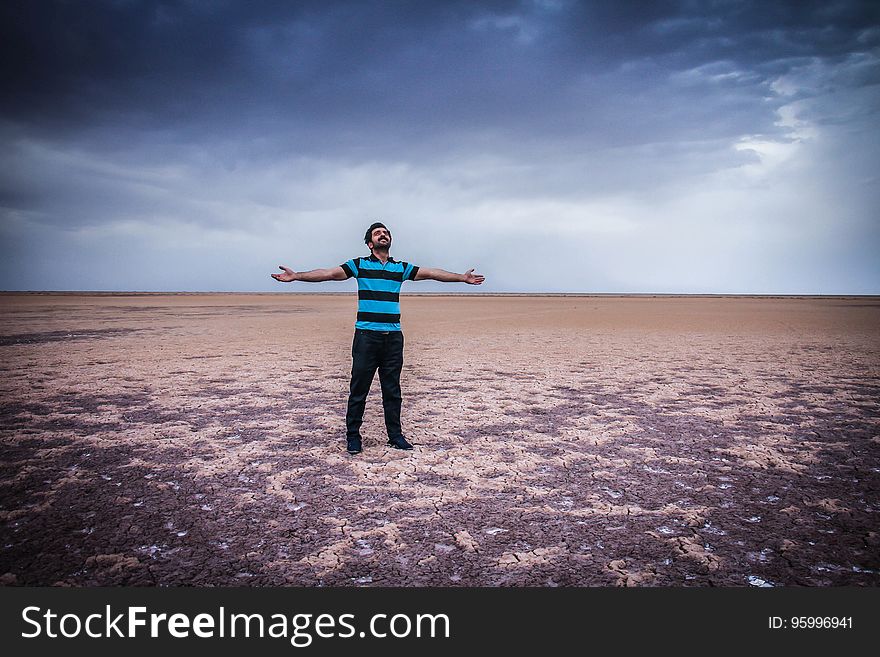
pixel 378 237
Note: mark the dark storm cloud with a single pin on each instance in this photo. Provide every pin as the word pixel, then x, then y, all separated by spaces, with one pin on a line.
pixel 392 75
pixel 73 65
pixel 745 32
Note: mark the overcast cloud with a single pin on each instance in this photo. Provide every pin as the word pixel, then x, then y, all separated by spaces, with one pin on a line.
pixel 722 147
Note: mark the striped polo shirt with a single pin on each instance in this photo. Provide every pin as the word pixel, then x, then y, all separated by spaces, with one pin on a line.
pixel 379 291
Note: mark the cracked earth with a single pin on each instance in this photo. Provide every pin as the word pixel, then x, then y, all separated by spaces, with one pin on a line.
pixel 560 441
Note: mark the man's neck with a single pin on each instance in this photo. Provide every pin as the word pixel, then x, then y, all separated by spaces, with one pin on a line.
pixel 381 254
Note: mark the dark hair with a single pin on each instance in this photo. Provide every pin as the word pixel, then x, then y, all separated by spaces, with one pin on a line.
pixel 368 237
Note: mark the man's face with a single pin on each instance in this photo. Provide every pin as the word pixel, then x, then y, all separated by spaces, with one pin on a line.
pixel 380 238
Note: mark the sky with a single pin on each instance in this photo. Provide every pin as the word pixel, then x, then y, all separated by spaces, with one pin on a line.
pixel 596 147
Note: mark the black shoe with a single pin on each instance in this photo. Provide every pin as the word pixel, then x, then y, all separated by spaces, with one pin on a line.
pixel 353 446
pixel 399 442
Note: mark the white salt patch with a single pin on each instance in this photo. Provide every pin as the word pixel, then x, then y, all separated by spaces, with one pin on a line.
pixel 150 550
pixel 856 569
pixel 757 581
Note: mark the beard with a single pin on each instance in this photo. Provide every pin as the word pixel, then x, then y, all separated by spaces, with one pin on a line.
pixel 382 244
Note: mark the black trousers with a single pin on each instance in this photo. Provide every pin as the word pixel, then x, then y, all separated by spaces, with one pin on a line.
pixel 371 351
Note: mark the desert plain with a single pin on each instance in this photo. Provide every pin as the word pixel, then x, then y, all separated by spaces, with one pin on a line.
pixel 198 439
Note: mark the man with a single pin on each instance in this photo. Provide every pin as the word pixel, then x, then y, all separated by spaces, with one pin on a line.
pixel 378 339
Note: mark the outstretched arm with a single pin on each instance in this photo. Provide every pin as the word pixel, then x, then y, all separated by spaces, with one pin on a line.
pixel 444 276
pixel 313 276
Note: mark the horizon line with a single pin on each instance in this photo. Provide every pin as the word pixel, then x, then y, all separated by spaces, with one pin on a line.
pixel 443 294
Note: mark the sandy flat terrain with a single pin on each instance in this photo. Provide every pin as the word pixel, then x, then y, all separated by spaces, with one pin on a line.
pixel 602 441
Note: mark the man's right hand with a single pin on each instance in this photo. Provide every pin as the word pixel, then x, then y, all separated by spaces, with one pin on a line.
pixel 288 275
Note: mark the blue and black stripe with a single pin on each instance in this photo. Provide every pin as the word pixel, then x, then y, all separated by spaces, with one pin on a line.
pixel 379 291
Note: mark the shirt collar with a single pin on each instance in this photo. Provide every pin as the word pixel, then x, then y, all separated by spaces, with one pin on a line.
pixel 375 259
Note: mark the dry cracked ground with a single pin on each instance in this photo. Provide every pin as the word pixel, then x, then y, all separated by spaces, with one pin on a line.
pixel 560 441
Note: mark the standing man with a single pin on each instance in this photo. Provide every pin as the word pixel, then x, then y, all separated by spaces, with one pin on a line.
pixel 378 340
